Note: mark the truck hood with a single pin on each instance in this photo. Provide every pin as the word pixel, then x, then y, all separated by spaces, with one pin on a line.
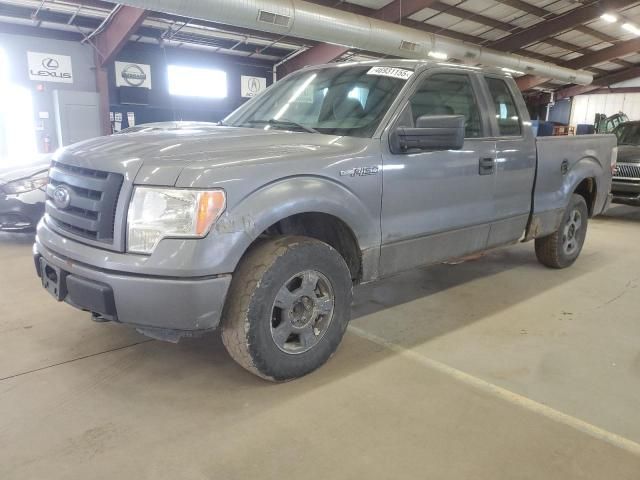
pixel 629 153
pixel 157 157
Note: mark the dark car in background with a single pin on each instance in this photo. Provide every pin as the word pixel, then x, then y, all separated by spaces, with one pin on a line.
pixel 22 194
pixel 626 178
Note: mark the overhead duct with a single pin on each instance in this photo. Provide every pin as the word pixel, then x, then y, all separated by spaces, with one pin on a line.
pixel 316 22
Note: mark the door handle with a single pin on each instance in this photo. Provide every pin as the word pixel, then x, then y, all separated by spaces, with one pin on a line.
pixel 487 166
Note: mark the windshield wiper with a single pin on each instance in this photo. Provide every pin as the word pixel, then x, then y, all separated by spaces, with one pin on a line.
pixel 285 124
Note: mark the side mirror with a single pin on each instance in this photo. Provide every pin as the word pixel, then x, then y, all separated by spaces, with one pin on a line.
pixel 432 132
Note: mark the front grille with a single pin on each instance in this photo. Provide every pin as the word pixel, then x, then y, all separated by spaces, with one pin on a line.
pixel 89 210
pixel 627 170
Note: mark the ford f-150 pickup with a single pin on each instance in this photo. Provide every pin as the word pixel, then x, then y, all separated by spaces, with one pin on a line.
pixel 336 175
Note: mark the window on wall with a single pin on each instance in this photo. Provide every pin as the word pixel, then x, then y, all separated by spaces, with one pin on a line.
pixel 197 82
pixel 17 129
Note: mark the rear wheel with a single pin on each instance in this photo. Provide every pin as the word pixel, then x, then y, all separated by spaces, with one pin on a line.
pixel 288 307
pixel 562 248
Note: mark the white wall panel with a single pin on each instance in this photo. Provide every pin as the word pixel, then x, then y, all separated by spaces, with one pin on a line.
pixel 585 107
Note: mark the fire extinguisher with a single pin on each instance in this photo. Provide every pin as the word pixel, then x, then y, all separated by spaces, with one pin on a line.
pixel 46 143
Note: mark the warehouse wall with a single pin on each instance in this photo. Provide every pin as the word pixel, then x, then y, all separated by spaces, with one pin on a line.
pixel 585 107
pixel 16 48
pixel 163 106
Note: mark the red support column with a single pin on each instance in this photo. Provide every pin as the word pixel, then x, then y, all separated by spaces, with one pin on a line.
pixel 108 44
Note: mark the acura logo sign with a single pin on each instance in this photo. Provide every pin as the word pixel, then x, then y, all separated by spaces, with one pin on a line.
pixel 61 197
pixel 254 85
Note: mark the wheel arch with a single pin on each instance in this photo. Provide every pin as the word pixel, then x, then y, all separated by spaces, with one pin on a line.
pixel 314 207
pixel 582 179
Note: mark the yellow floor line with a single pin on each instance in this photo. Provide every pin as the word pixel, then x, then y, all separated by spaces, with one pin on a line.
pixel 509 396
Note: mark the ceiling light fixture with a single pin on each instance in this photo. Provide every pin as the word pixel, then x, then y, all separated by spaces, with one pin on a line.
pixel 630 27
pixel 510 70
pixel 609 18
pixel 438 55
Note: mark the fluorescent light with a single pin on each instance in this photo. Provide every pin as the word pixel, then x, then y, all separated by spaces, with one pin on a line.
pixel 438 55
pixel 197 82
pixel 510 70
pixel 609 18
pixel 630 27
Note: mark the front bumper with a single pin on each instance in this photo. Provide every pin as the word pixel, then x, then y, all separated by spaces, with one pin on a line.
pixel 21 212
pixel 626 192
pixel 161 307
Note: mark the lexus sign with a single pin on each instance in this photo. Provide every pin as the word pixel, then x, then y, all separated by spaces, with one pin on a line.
pixel 133 75
pixel 47 67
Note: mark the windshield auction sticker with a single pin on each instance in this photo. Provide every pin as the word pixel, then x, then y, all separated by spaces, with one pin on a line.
pixel 393 72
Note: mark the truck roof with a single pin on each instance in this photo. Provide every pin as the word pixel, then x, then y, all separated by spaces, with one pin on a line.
pixel 410 64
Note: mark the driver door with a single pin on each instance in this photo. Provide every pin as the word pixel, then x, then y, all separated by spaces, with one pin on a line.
pixel 438 205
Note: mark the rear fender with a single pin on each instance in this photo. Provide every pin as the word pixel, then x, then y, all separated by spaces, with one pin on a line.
pixel 548 211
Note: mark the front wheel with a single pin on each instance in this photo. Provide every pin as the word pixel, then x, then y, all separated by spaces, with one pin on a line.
pixel 562 248
pixel 288 307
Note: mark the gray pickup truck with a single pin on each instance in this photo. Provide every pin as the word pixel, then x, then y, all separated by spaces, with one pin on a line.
pixel 337 175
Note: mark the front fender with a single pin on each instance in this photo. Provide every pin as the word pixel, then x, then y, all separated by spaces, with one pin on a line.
pixel 253 214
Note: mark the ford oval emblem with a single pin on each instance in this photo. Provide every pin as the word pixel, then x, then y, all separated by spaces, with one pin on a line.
pixel 61 197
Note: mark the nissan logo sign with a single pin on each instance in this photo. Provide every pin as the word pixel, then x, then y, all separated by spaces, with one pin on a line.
pixel 133 75
pixel 61 197
pixel 50 63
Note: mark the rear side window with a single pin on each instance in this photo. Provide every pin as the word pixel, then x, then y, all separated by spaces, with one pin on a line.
pixel 506 111
pixel 447 94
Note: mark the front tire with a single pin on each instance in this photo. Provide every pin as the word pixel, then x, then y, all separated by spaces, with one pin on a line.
pixel 288 307
pixel 562 248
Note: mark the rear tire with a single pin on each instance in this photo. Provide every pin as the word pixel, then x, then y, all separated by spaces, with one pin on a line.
pixel 562 248
pixel 288 307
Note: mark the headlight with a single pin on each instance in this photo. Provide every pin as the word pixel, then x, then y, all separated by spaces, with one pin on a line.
pixel 157 213
pixel 24 185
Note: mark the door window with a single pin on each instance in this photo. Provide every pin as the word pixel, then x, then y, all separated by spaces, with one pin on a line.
pixel 506 110
pixel 445 94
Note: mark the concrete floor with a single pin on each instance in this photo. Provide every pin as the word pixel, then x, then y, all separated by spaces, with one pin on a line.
pixel 493 369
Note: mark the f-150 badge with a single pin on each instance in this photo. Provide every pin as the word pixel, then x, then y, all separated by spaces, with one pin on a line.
pixel 359 171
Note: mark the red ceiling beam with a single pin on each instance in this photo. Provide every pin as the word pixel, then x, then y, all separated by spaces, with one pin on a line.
pixel 606 54
pixel 123 24
pixel 527 82
pixel 108 43
pixel 598 83
pixel 559 24
pixel 542 13
pixel 619 50
pixel 325 53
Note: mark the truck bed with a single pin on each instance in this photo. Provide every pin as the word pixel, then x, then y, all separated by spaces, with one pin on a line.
pixel 563 161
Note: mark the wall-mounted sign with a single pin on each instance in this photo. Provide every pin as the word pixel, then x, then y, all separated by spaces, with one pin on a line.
pixel 251 86
pixel 46 67
pixel 133 75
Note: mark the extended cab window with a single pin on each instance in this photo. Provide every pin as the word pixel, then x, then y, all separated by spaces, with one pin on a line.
pixel 446 94
pixel 506 111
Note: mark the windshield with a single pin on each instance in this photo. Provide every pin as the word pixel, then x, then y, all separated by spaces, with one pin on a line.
pixel 338 101
pixel 628 134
